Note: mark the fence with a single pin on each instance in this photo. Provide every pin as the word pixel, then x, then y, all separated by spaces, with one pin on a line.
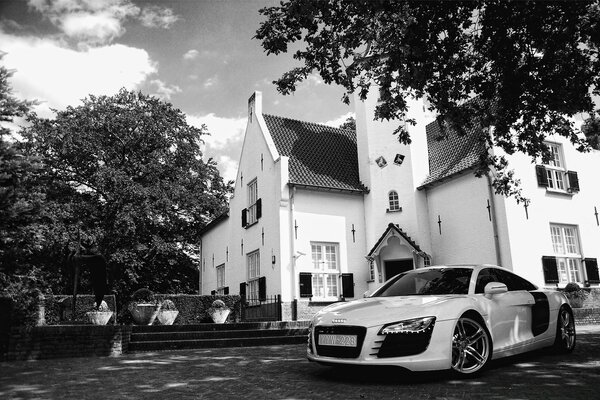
pixel 257 310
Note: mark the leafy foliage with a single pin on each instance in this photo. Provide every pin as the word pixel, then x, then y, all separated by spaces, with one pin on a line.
pixel 121 173
pixel 350 123
pixel 532 65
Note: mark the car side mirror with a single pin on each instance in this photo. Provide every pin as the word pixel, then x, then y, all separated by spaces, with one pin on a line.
pixel 367 293
pixel 493 288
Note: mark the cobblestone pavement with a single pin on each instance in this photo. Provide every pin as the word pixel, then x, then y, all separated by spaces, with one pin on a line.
pixel 282 372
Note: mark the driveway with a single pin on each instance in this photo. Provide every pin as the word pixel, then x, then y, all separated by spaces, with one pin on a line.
pixel 282 372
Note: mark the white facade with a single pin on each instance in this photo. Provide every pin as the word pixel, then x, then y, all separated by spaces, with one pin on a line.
pixel 316 236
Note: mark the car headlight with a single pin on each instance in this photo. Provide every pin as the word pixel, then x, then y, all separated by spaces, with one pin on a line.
pixel 417 325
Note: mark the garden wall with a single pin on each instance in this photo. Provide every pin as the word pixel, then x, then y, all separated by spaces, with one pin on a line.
pixel 40 342
pixel 587 316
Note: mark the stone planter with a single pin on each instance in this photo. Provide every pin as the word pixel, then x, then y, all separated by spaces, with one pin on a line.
pixel 99 317
pixel 143 314
pixel 220 316
pixel 167 317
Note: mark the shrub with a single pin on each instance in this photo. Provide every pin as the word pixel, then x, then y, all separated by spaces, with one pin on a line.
pixel 143 295
pixel 168 305
pixel 572 287
pixel 218 304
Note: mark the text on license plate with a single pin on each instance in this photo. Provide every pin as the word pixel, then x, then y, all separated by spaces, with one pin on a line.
pixel 337 340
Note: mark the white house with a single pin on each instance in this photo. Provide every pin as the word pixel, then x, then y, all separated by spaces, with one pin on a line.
pixel 321 214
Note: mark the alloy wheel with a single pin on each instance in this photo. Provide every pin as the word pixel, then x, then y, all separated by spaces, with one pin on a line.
pixel 471 346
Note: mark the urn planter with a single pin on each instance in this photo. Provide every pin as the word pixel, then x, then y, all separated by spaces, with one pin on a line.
pixel 99 317
pixel 144 313
pixel 167 317
pixel 220 316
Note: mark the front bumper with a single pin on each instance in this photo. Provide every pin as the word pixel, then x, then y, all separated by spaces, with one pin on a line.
pixel 436 356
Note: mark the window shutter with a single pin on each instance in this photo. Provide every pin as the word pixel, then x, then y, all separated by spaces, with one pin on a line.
pixel 550 269
pixel 262 288
pixel 591 268
pixel 573 181
pixel 244 217
pixel 258 208
pixel 226 290
pixel 348 285
pixel 305 284
pixel 243 290
pixel 542 177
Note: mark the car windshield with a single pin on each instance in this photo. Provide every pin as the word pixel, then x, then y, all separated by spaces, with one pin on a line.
pixel 427 282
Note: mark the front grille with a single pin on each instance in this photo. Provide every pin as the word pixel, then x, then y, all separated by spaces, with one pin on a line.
pixel 340 351
pixel 405 344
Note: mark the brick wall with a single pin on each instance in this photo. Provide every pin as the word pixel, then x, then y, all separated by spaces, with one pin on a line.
pixel 62 341
pixel 586 316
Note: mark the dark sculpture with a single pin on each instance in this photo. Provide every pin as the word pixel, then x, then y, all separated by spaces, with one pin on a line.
pixel 92 260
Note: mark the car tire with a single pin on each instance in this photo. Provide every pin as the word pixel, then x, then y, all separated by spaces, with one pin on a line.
pixel 565 331
pixel 471 346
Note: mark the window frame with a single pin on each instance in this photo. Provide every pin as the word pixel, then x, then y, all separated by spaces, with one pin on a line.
pixel 220 271
pixel 253 276
pixel 393 201
pixel 566 248
pixel 325 281
pixel 252 216
pixel 556 170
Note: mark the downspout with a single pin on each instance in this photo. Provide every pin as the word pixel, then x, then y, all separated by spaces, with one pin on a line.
pixel 200 269
pixel 292 242
pixel 494 221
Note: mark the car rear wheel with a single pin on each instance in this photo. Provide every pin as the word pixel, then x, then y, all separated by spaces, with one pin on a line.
pixel 565 331
pixel 471 346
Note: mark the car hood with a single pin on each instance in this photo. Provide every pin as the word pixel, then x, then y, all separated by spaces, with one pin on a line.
pixel 379 310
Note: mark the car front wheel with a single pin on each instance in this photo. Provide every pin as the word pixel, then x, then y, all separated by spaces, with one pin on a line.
pixel 471 346
pixel 565 331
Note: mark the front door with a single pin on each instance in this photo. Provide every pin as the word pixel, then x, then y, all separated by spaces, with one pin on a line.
pixel 394 267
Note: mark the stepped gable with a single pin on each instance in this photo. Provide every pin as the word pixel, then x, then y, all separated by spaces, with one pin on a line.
pixel 321 157
pixel 450 154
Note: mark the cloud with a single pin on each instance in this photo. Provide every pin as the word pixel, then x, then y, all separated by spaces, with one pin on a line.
pixel 339 120
pixel 211 82
pixel 164 90
pixel 224 144
pixel 58 76
pixel 158 17
pixel 100 21
pixel 191 54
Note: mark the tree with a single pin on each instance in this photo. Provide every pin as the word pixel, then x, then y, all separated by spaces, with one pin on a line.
pixel 532 65
pixel 350 123
pixel 126 173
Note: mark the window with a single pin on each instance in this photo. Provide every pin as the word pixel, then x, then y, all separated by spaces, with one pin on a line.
pixel 253 272
pixel 512 281
pixel 394 201
pixel 252 199
pixel 371 270
pixel 555 168
pixel 325 263
pixel 565 244
pixel 221 279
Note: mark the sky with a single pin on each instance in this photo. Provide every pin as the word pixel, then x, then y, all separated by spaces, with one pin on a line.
pixel 199 55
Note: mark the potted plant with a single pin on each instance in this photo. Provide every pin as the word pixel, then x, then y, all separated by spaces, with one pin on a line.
pixel 167 313
pixel 218 312
pixel 143 307
pixel 100 316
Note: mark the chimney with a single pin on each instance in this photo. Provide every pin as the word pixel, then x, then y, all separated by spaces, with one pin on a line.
pixel 254 106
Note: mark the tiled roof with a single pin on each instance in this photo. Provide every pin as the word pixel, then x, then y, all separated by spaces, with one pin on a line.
pixel 320 156
pixel 450 155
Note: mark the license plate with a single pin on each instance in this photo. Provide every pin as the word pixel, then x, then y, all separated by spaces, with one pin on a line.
pixel 337 340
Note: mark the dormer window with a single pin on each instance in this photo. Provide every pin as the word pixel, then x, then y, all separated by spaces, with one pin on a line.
pixel 553 175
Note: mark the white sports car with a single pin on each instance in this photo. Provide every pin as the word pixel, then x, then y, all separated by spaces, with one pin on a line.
pixel 445 317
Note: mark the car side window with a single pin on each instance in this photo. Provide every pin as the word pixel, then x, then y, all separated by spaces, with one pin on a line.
pixel 485 276
pixel 514 282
